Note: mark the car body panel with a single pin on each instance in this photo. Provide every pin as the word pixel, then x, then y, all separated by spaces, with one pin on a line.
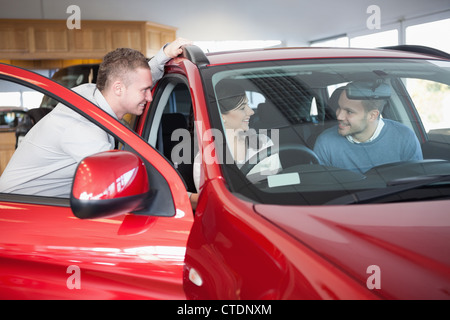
pixel 126 257
pixel 408 245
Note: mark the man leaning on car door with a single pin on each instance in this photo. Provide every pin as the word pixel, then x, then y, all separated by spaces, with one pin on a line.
pixel 46 160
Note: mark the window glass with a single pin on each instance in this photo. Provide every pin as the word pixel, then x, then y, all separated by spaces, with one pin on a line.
pixel 432 34
pixel 10 98
pixel 316 117
pixel 374 40
pixel 254 99
pixel 432 100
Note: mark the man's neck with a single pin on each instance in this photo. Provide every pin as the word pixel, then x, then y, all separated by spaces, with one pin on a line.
pixel 371 134
pixel 110 99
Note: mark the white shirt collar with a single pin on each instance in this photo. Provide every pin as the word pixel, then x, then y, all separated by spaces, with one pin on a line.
pixel 90 92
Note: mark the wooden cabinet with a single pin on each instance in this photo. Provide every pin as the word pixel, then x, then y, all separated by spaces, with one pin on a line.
pixel 53 40
pixel 7 148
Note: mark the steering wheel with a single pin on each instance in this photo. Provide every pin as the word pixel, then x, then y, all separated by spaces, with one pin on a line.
pixel 305 156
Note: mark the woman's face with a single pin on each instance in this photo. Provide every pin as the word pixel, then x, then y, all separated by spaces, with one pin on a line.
pixel 238 118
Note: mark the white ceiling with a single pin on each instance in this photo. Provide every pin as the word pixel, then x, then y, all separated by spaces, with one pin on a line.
pixel 294 22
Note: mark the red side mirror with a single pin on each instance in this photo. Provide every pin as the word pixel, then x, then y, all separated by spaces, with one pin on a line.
pixel 108 184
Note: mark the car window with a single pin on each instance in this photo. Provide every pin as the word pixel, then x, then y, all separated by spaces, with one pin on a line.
pixel 432 100
pixel 17 115
pixel 45 164
pixel 303 115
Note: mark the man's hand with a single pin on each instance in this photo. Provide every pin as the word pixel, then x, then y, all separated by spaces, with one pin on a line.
pixel 174 49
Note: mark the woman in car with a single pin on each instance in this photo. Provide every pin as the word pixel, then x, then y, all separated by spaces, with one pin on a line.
pixel 244 144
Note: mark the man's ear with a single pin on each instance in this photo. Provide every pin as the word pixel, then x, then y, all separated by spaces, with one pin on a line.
pixel 374 114
pixel 117 87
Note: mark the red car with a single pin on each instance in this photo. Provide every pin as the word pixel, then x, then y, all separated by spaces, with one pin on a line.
pixel 308 230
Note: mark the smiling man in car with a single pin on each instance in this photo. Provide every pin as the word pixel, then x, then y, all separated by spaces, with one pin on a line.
pixel 362 139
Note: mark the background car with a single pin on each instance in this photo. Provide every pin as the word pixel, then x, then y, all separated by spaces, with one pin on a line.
pixel 308 232
pixel 10 119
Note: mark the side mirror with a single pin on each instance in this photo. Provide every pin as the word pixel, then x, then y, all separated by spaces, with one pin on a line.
pixel 109 183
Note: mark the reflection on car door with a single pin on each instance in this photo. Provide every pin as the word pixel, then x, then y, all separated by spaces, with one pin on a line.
pixel 124 257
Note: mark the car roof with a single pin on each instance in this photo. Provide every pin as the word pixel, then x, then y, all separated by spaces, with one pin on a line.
pixel 9 109
pixel 230 57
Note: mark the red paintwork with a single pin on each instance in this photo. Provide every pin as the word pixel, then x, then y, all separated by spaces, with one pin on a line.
pixel 126 257
pixel 304 53
pixel 240 250
pixel 129 168
pixel 408 241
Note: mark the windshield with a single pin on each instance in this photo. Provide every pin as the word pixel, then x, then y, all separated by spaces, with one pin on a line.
pixel 312 131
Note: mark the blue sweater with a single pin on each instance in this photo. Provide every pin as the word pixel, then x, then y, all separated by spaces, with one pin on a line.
pixel 395 143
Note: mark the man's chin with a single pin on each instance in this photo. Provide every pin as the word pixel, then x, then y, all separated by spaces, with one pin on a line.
pixel 343 133
pixel 139 111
